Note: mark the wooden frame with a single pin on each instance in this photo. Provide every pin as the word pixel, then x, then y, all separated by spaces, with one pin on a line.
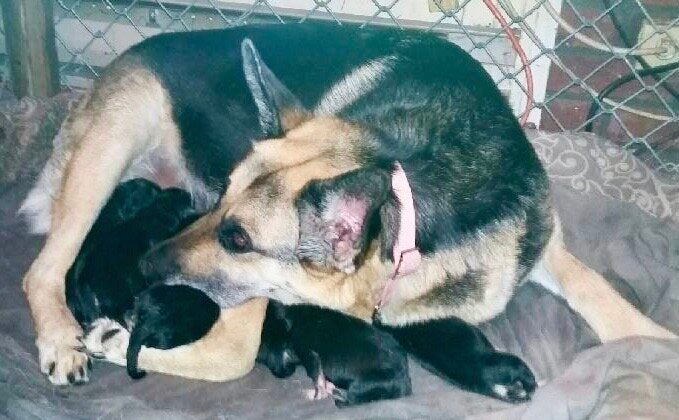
pixel 29 35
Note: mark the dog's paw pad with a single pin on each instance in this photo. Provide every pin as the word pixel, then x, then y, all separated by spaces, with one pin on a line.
pixel 513 392
pixel 107 340
pixel 509 379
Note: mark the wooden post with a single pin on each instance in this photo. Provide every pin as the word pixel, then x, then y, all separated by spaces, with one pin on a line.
pixel 29 36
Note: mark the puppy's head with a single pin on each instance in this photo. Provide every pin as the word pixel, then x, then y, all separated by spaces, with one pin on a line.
pixel 298 216
pixel 276 350
pixel 127 200
pixel 169 212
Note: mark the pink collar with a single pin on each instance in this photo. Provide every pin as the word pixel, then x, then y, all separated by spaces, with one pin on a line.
pixel 406 256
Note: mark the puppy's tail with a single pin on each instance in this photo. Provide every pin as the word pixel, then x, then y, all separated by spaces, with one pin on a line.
pixel 133 349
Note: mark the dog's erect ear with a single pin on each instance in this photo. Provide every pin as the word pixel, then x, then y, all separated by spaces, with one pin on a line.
pixel 336 217
pixel 279 109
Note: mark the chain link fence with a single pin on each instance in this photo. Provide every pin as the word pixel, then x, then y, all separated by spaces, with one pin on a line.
pixel 580 51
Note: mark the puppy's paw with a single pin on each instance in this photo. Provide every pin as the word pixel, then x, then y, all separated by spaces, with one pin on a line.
pixel 507 378
pixel 62 361
pixel 107 340
pixel 323 389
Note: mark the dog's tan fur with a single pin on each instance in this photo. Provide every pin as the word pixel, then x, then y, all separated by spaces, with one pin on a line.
pixel 302 157
pixel 87 182
pixel 315 145
pixel 324 148
pixel 589 294
pixel 426 294
pixel 106 139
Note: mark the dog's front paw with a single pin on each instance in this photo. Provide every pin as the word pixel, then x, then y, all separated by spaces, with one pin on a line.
pixel 507 377
pixel 62 361
pixel 107 340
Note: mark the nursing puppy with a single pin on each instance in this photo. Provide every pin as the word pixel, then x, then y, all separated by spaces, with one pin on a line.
pixel 109 297
pixel 346 358
pixel 165 317
pixel 292 136
pixel 105 277
pixel 354 362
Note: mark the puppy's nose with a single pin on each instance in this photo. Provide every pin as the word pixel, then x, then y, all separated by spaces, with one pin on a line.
pixel 158 264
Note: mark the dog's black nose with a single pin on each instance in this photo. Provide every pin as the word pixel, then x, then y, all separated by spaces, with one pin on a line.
pixel 158 264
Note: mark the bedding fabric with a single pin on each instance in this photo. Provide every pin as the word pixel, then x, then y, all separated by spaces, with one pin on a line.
pixel 619 216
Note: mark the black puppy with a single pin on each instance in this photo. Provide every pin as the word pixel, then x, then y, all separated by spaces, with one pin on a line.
pixel 106 291
pixel 460 353
pixel 346 358
pixel 168 316
pixel 105 277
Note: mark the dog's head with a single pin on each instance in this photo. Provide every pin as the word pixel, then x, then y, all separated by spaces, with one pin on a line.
pixel 300 213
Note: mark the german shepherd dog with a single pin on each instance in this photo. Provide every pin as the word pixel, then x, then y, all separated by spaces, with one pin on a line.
pixel 291 137
pixel 348 359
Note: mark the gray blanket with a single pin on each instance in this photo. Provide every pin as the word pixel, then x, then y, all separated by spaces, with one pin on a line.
pixel 619 217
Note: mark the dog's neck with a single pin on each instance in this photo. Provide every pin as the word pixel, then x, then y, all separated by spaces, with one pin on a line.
pixel 406 256
pixel 355 293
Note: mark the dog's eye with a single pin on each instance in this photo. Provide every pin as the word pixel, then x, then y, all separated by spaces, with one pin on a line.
pixel 233 238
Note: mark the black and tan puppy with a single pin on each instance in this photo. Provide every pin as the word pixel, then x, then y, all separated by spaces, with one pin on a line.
pixel 347 358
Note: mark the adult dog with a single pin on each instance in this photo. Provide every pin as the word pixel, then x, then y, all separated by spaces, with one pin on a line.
pixel 309 214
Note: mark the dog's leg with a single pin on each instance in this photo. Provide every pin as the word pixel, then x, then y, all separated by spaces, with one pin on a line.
pixel 460 353
pixel 589 294
pixel 227 352
pixel 127 114
pixel 37 206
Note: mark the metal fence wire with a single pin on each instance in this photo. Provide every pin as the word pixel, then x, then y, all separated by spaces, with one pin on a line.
pixel 607 66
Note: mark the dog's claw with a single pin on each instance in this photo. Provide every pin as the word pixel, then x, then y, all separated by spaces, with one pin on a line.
pixel 51 368
pixel 107 340
pixel 61 357
pixel 340 394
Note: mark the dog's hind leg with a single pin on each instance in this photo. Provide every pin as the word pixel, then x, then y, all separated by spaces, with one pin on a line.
pixel 37 206
pixel 589 294
pixel 124 115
